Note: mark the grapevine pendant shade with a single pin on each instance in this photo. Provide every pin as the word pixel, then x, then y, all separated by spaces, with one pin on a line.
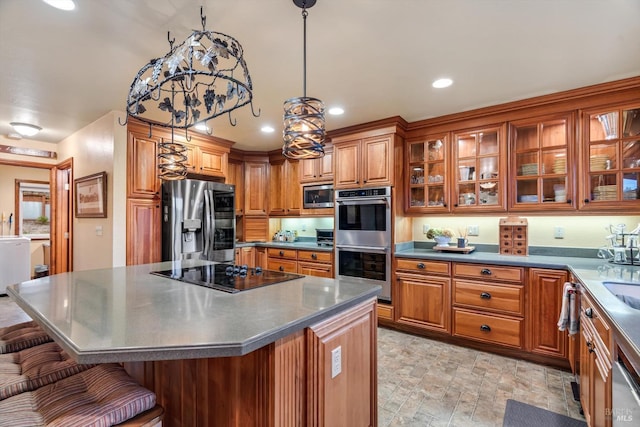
pixel 304 125
pixel 201 78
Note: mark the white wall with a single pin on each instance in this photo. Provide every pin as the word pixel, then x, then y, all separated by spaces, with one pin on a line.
pixel 93 149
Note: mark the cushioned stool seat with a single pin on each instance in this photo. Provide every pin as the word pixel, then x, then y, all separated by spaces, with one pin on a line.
pixel 22 335
pixel 102 396
pixel 35 367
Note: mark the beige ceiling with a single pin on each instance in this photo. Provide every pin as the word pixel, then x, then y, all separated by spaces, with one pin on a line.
pixel 375 58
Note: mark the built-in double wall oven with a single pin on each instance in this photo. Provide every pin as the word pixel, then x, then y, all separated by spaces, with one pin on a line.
pixel 363 236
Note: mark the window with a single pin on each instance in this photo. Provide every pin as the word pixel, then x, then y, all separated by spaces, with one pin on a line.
pixel 33 209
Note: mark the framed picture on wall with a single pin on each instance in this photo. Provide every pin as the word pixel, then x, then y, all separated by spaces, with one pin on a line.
pixel 91 196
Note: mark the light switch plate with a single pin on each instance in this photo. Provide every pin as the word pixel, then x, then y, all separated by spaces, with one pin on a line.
pixel 473 230
pixel 336 361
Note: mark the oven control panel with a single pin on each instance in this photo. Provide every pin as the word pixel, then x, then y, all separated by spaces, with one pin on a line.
pixel 365 192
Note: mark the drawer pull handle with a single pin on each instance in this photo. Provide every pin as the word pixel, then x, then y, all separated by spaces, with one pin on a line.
pixel 485 328
pixel 485 271
pixel 281 268
pixel 420 265
pixel 485 295
pixel 589 312
pixel 314 256
pixel 281 253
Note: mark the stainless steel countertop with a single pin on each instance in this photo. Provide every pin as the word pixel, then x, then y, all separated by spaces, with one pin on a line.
pixel 592 272
pixel 126 314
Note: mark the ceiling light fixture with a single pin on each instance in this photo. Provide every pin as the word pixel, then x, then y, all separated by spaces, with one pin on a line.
pixel 203 77
pixel 267 129
pixel 442 83
pixel 61 4
pixel 304 126
pixel 336 111
pixel 25 129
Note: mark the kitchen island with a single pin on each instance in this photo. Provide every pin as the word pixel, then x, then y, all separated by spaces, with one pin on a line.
pixel 261 357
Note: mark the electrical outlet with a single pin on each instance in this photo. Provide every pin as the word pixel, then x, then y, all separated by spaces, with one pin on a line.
pixel 304 226
pixel 336 361
pixel 558 232
pixel 425 228
pixel 473 230
pixel 98 230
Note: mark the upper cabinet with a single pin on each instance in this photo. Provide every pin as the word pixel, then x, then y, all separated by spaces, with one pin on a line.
pixel 367 158
pixel 611 158
pixel 142 164
pixel 542 166
pixel 318 170
pixel 256 179
pixel 285 195
pixel 479 169
pixel 428 174
pixel 235 177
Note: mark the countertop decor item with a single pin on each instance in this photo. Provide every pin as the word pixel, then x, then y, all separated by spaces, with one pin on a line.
pixel 203 77
pixel 304 125
pixel 442 236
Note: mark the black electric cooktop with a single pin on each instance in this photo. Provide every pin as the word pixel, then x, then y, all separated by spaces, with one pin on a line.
pixel 227 277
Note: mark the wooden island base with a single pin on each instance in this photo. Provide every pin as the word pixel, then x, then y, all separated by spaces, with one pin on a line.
pixel 287 383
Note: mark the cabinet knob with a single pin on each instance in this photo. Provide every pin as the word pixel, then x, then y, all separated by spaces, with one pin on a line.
pixel 485 328
pixel 420 265
pixel 314 256
pixel 590 346
pixel 586 200
pixel 455 205
pixel 569 201
pixel 444 204
pixel 485 272
pixel 281 253
pixel 485 295
pixel 589 312
pixel 281 268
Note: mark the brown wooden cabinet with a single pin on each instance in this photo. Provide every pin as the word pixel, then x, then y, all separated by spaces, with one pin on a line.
pixel 315 263
pixel 610 160
pixel 545 302
pixel 542 166
pixel 235 176
pixel 424 294
pixel 318 170
pixel 367 158
pixel 488 304
pixel 428 176
pixel 143 231
pixel 255 185
pixel 479 169
pixel 142 163
pixel 213 161
pixel 595 364
pixel 285 194
pixel 245 255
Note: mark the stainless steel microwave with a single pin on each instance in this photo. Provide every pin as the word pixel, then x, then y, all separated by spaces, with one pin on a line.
pixel 317 196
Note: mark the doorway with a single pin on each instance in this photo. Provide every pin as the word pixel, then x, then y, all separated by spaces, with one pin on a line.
pixel 60 178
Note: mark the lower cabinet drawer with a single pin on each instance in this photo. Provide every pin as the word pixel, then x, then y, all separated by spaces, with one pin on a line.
pixel 282 265
pixel 507 298
pixel 282 253
pixel 490 328
pixel 315 269
pixel 315 256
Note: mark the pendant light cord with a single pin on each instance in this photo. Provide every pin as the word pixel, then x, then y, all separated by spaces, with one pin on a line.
pixel 304 51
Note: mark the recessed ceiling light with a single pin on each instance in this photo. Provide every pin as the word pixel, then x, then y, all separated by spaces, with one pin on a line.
pixel 267 129
pixel 61 4
pixel 336 111
pixel 441 83
pixel 25 129
pixel 202 127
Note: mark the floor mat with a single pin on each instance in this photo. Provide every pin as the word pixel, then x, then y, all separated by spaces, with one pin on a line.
pixel 520 414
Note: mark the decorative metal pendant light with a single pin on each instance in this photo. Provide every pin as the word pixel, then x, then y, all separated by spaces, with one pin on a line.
pixel 304 126
pixel 203 77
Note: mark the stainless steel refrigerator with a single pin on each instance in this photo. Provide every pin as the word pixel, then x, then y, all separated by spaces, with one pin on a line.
pixel 198 220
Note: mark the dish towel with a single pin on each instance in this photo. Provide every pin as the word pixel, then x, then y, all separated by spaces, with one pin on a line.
pixel 568 315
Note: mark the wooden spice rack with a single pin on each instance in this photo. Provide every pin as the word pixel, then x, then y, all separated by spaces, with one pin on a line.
pixel 514 236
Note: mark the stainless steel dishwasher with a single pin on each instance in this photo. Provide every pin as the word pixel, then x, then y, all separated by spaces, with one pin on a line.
pixel 625 409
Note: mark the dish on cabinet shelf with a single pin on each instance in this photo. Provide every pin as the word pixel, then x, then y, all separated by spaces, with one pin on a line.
pixel 531 198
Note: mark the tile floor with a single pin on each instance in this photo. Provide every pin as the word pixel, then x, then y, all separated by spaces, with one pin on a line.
pixel 422 382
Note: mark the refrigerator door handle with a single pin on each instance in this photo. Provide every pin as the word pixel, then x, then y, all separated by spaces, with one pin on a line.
pixel 207 225
pixel 212 219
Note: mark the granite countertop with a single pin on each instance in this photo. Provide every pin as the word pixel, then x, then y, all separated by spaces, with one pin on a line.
pixel 126 314
pixel 302 244
pixel 592 273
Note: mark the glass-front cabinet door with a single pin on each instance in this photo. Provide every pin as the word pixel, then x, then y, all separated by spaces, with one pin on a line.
pixel 541 167
pixel 427 174
pixel 479 166
pixel 611 158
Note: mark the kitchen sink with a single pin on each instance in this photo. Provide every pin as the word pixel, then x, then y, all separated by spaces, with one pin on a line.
pixel 629 293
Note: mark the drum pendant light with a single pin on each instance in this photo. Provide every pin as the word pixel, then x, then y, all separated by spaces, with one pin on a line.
pixel 304 125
